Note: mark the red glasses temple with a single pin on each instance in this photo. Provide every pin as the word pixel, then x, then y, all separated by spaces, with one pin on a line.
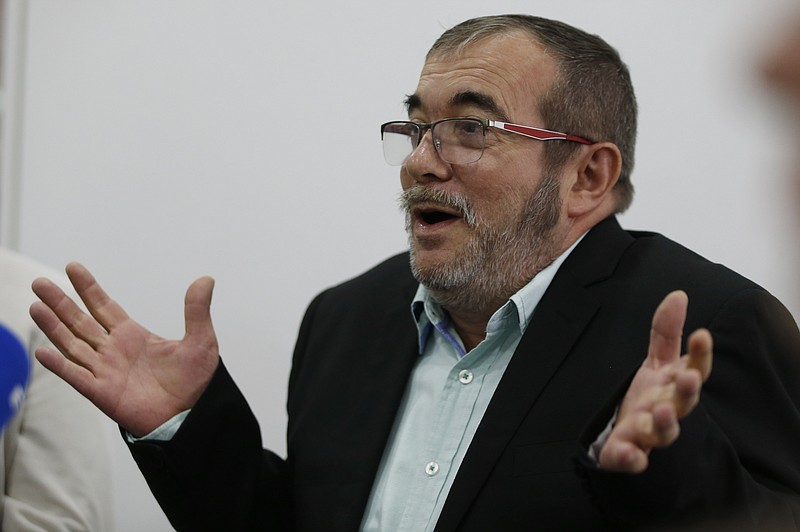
pixel 536 133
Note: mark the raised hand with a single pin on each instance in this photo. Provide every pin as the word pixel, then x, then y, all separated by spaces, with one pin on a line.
pixel 664 390
pixel 138 379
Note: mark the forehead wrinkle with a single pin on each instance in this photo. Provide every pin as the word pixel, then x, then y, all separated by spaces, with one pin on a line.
pixel 503 75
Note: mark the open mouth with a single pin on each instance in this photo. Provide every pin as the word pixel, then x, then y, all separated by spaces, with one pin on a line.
pixel 435 217
pixel 430 215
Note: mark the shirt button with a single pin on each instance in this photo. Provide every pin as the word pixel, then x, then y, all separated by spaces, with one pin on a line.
pixel 431 468
pixel 465 376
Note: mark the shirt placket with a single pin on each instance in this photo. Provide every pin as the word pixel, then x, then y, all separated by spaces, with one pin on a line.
pixel 448 425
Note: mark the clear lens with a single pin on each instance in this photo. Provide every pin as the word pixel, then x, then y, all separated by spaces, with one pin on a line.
pixel 457 140
pixel 460 141
pixel 399 141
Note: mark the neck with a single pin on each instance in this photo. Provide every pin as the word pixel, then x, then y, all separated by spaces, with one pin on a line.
pixel 471 328
pixel 472 304
pixel 470 314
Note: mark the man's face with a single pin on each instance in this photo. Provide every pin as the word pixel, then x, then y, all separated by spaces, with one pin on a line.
pixel 515 227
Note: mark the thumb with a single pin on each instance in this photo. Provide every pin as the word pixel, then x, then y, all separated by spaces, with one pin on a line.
pixel 667 329
pixel 197 307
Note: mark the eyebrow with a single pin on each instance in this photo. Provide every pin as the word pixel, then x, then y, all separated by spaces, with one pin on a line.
pixel 463 98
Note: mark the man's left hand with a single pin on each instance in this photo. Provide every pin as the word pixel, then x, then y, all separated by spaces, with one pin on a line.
pixel 665 389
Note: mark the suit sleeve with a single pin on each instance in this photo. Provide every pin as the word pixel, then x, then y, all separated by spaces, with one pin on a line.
pixel 736 462
pixel 213 474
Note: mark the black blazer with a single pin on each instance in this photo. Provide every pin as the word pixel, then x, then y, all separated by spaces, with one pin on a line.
pixel 738 456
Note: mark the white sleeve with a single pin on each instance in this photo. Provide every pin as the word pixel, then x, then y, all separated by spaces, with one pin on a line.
pixel 164 432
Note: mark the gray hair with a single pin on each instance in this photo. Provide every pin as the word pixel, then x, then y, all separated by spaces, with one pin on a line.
pixel 592 95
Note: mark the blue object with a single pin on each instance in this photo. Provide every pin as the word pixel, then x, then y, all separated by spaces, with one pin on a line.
pixel 14 371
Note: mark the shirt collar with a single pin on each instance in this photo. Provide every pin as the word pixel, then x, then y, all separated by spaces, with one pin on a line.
pixel 519 307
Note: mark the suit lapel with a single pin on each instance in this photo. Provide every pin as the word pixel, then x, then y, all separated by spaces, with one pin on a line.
pixel 379 394
pixel 343 402
pixel 558 321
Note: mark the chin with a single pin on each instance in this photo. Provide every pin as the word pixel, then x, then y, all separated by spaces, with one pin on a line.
pixel 441 270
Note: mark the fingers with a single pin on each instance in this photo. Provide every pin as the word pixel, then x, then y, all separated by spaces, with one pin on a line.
pixel 104 309
pixel 78 359
pixel 667 329
pixel 689 379
pixel 653 420
pixel 73 374
pixel 72 346
pixel 76 334
pixel 627 449
pixel 700 352
pixel 60 318
pixel 623 457
pixel 687 392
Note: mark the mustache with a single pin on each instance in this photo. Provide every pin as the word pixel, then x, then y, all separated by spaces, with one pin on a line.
pixel 418 194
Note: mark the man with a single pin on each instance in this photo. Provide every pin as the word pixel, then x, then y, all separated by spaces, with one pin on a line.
pixel 507 379
pixel 54 464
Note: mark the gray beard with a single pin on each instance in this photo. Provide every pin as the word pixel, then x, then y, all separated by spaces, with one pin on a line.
pixel 497 262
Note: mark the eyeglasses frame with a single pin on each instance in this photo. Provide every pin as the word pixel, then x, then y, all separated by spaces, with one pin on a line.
pixel 535 133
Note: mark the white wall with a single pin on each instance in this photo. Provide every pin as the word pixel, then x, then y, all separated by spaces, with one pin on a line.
pixel 166 140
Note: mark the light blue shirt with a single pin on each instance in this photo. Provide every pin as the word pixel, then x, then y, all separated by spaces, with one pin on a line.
pixel 444 402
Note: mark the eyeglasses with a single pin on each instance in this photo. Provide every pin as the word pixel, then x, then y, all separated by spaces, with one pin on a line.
pixel 457 140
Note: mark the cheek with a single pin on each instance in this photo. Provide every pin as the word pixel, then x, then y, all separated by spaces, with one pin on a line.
pixel 500 204
pixel 405 179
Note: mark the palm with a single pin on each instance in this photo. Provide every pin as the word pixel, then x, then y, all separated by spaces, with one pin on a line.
pixel 137 378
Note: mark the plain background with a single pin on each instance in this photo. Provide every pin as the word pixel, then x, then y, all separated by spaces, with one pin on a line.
pixel 157 141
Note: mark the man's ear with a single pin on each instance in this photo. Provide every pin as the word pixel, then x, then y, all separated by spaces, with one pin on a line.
pixel 595 176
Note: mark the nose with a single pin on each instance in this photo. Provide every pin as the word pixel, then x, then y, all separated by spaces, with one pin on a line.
pixel 424 164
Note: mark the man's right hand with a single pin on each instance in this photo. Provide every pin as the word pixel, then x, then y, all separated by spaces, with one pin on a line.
pixel 138 379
